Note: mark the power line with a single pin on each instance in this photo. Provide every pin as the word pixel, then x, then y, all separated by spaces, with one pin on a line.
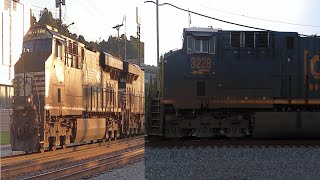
pixel 262 19
pixel 41 7
pixel 74 26
pixel 38 12
pixel 228 22
pixel 92 4
pixel 88 10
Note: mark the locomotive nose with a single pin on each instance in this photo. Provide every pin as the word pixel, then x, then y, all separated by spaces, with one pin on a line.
pixel 24 128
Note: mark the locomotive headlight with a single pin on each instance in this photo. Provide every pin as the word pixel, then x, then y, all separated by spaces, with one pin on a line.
pixel 29 100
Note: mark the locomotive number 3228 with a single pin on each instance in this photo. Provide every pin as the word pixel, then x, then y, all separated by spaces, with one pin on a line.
pixel 200 63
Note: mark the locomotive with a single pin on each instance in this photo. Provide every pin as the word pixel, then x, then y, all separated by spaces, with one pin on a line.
pixel 240 84
pixel 66 93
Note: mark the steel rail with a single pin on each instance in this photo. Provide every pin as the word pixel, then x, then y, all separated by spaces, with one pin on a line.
pixel 92 167
pixel 24 166
pixel 24 157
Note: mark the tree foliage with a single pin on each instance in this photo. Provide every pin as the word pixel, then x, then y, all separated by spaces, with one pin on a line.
pixel 111 46
pixel 47 18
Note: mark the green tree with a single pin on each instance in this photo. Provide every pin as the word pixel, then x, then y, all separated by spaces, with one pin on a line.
pixel 82 39
pixel 93 45
pixel 47 18
pixel 110 46
pixel 64 30
pixel 74 36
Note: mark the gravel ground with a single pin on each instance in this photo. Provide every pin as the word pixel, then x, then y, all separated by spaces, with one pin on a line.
pixel 220 163
pixel 233 163
pixel 5 150
pixel 133 171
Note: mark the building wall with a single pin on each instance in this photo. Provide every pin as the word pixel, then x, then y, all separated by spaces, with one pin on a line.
pixel 14 23
pixel 150 76
pixel 6 93
pixel 5 119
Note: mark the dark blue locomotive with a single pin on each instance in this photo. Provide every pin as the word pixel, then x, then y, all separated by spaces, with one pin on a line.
pixel 241 83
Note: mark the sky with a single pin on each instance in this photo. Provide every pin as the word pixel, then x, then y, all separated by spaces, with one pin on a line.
pixel 95 18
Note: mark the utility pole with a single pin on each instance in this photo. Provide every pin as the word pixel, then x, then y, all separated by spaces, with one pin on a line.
pixel 16 1
pixel 2 61
pixel 125 38
pixel 10 66
pixel 59 3
pixel 138 35
pixel 10 39
pixel 158 61
pixel 117 27
pixel 139 48
pixel 189 18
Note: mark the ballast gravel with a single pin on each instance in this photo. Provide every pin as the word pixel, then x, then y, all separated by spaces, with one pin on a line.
pixel 232 163
pixel 225 163
pixel 5 150
pixel 133 171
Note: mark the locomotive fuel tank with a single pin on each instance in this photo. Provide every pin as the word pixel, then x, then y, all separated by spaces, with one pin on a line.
pixel 89 129
pixel 286 125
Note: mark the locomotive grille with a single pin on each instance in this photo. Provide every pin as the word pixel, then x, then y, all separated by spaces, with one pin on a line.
pixel 34 83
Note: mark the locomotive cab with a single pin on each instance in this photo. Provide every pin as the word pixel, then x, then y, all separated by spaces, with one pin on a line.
pixel 39 67
pixel 29 85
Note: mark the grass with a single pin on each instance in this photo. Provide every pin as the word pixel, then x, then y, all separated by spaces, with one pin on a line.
pixel 5 137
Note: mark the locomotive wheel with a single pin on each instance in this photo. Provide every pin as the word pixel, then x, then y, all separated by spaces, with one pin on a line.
pixel 41 148
pixel 64 146
pixel 53 148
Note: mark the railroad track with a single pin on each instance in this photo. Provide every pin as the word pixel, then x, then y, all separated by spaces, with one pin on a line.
pixel 247 143
pixel 73 148
pixel 58 162
pixel 88 168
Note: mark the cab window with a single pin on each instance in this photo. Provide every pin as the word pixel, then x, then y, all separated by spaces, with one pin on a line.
pixel 37 45
pixel 201 46
pixel 190 44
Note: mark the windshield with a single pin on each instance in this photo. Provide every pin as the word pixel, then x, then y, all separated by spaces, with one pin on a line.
pixel 37 45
